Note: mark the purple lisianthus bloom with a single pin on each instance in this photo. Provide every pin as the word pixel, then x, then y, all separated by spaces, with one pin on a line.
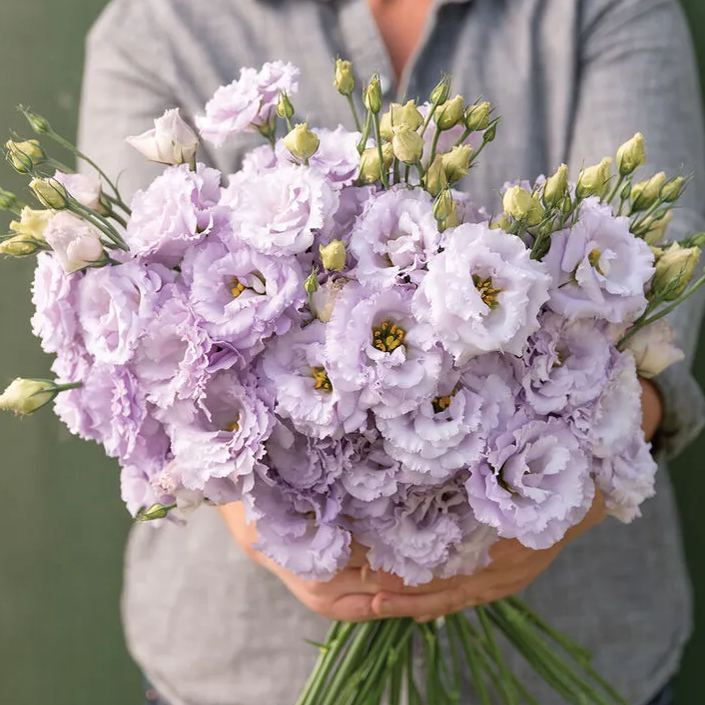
pixel 627 479
pixel 172 356
pixel 375 347
pixel 247 102
pixel 421 530
pixel 395 237
pixel 565 364
pixel 372 472
pixel 221 438
pixel 599 269
pixel 295 366
pixel 482 293
pixel 178 209
pixel 54 295
pixel 114 305
pixel 242 296
pixel 137 490
pixel 279 211
pixel 443 435
pixel 535 484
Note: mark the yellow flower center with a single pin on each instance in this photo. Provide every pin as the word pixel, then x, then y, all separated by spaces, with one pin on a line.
pixel 387 336
pixel 321 380
pixel 236 287
pixel 594 260
pixel 232 427
pixel 488 293
pixel 441 403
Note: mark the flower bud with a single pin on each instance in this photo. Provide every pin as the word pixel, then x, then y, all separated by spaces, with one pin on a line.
pixel 674 270
pixel 25 156
pixel 646 193
pixel 32 223
pixel 657 229
pixel 522 205
pixel 673 189
pixel 398 115
pixel 50 193
pixel 302 142
pixel 38 123
pixel 407 145
pixel 697 240
pixel 373 95
pixel 556 187
pixel 435 179
pixel 441 92
pixel 370 170
pixel 450 113
pixel 171 141
pixel 311 282
pixel 501 223
pixel 25 396
pixel 477 116
pixel 285 109
pixel 595 180
pixel 8 201
pixel 490 133
pixel 457 162
pixel 333 255
pixel 445 210
pixel 344 77
pixel 154 512
pixel 631 155
pixel 75 242
pixel 19 246
pixel 653 349
pixel 323 300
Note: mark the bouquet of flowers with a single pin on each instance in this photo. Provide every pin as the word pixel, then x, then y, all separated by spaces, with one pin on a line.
pixel 342 340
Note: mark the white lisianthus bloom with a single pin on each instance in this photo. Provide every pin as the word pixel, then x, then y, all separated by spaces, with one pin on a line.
pixel 653 349
pixel 171 141
pixel 482 293
pixel 85 189
pixel 75 242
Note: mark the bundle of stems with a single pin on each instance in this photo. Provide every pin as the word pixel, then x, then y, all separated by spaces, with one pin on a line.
pixel 441 663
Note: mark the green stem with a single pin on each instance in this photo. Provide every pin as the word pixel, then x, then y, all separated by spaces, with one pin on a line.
pixel 434 145
pixel 353 110
pixel 101 223
pixel 383 177
pixel 66 387
pixel 413 691
pixel 362 144
pixel 458 622
pixel 487 629
pixel 615 190
pixel 463 137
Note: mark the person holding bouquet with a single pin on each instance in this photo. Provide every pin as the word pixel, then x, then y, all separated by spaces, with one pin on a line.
pixel 210 619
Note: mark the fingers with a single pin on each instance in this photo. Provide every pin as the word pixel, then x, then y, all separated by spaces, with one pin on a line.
pixel 387 604
pixel 352 608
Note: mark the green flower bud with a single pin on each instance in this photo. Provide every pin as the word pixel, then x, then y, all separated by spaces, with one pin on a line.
pixel 657 228
pixel 477 116
pixel 631 155
pixel 370 170
pixel 25 396
pixel 697 240
pixel 38 123
pixel 50 193
pixel 673 189
pixel 302 142
pixel 398 115
pixel 674 270
pixel 490 133
pixel 407 145
pixel 595 180
pixel 154 512
pixel 373 95
pixel 285 110
pixel 450 113
pixel 311 282
pixel 25 156
pixel 457 162
pixel 344 77
pixel 435 179
pixel 333 256
pixel 19 246
pixel 522 205
pixel 556 187
pixel 646 193
pixel 441 92
pixel 32 223
pixel 445 210
pixel 8 201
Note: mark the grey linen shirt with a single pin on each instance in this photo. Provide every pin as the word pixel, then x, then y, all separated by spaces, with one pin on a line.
pixel 572 80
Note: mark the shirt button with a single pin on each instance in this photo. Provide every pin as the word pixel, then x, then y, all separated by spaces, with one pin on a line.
pixel 385 83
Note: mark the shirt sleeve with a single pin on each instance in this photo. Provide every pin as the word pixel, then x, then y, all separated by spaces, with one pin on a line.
pixel 637 72
pixel 127 83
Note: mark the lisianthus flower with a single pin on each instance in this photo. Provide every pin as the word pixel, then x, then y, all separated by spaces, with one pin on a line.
pixel 114 305
pixel 482 293
pixel 395 237
pixel 599 269
pixel 179 208
pixel 242 296
pixel 75 242
pixel 535 484
pixel 172 356
pixel 278 212
pixel 565 364
pixel 247 102
pixel 295 366
pixel 375 347
pixel 84 188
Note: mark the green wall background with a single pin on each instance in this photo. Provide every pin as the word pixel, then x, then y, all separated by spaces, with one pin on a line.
pixel 61 550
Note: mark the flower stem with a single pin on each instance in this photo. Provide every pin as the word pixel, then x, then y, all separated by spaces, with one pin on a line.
pixel 353 110
pixel 378 139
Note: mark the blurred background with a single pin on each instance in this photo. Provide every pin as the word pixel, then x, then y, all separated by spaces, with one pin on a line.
pixel 62 525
